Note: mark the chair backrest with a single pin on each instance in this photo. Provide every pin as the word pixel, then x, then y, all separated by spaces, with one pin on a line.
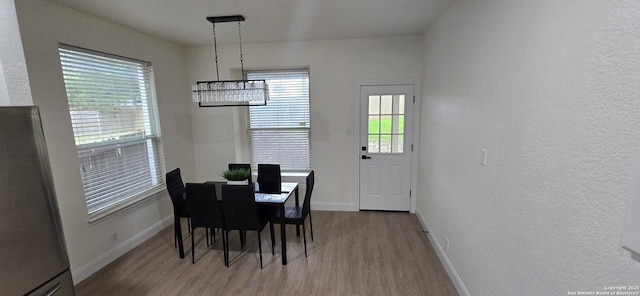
pixel 240 209
pixel 175 186
pixel 269 178
pixel 245 166
pixel 306 205
pixel 203 205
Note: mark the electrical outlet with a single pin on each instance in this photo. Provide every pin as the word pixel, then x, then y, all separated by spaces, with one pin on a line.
pixel 483 157
pixel 114 236
pixel 446 244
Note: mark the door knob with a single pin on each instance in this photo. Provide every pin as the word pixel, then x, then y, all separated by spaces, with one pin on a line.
pixel 366 157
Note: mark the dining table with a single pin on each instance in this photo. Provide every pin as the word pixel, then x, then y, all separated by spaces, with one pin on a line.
pixel 275 199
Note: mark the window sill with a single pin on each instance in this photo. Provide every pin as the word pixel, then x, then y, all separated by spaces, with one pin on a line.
pixel 152 193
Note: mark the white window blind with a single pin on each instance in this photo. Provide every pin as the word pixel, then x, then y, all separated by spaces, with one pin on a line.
pixel 280 132
pixel 113 111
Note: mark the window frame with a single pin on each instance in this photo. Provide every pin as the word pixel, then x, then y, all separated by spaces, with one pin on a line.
pixel 308 128
pixel 154 141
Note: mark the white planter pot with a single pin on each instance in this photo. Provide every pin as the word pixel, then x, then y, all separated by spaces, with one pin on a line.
pixel 244 182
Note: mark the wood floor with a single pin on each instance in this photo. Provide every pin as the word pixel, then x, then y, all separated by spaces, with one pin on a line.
pixel 354 253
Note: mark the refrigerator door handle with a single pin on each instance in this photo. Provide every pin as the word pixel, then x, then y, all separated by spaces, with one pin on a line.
pixel 53 290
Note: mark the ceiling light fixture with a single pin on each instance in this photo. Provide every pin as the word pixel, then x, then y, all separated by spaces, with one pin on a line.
pixel 222 93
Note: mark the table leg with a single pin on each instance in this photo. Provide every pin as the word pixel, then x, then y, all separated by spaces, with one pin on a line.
pixel 283 236
pixel 178 231
pixel 297 205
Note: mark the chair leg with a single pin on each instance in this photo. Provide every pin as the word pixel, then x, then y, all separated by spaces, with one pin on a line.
pixel 213 234
pixel 241 239
pixel 304 237
pixel 193 250
pixel 225 233
pixel 311 225
pixel 175 234
pixel 224 249
pixel 206 231
pixel 273 238
pixel 189 224
pixel 260 247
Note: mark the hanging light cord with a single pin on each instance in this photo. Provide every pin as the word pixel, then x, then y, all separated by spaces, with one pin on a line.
pixel 215 48
pixel 241 58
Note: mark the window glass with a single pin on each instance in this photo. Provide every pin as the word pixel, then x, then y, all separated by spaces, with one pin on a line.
pixel 113 111
pixel 386 124
pixel 279 133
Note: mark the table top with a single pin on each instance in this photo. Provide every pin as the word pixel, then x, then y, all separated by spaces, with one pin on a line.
pixel 262 197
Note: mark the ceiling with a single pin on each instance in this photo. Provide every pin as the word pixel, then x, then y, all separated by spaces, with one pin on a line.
pixel 184 21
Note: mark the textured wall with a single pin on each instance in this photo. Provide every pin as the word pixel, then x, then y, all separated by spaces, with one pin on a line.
pixel 43 25
pixel 552 90
pixel 14 82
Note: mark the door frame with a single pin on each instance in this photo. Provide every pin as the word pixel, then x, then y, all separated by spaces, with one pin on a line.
pixel 415 136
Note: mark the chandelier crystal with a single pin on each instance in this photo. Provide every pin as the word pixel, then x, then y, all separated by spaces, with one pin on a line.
pixel 237 92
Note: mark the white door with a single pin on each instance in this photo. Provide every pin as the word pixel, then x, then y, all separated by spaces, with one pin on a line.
pixel 385 147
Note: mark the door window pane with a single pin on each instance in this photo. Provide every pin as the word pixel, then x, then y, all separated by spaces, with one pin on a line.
pixel 386 105
pixel 398 104
pixel 398 124
pixel 374 105
pixel 397 143
pixel 385 124
pixel 374 144
pixel 385 143
pixel 374 124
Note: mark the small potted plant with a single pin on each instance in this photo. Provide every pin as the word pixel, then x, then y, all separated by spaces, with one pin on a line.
pixel 237 176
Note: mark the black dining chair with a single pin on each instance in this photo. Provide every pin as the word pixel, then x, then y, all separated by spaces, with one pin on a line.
pixel 296 215
pixel 205 211
pixel 176 190
pixel 241 213
pixel 269 178
pixel 245 166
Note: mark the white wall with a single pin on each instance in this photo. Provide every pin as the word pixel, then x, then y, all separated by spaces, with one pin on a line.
pixel 335 68
pixel 14 82
pixel 44 24
pixel 551 89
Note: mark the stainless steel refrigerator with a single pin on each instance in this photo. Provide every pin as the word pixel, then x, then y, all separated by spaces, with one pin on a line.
pixel 33 255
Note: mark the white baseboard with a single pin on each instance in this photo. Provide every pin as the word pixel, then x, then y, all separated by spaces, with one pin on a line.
pixel 94 266
pixel 333 206
pixel 457 281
